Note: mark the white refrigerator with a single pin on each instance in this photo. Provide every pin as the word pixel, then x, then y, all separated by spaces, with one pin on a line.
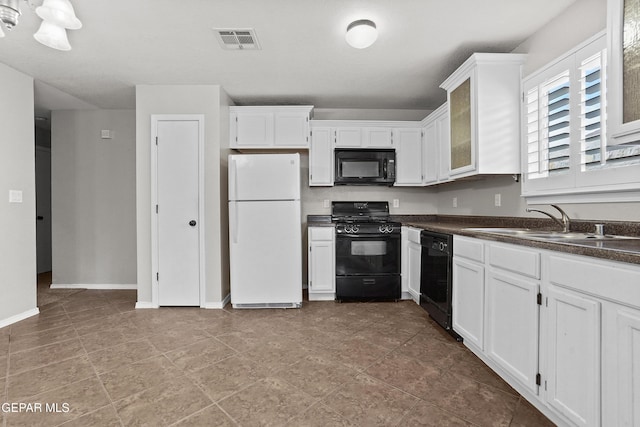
pixel 265 242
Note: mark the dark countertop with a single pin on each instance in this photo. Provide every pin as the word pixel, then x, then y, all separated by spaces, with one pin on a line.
pixel 613 250
pixel 319 221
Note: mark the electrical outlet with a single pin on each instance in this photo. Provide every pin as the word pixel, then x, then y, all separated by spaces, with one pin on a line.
pixel 396 203
pixel 497 200
pixel 326 203
pixel 15 196
pixel 455 202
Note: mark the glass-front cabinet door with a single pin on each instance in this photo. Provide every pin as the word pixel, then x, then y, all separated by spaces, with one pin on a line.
pixel 460 99
pixel 624 79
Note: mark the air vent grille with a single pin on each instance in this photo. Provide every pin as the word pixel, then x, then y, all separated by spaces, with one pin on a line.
pixel 237 39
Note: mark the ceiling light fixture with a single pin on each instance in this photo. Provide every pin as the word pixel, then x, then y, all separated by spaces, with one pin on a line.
pixel 57 17
pixel 361 33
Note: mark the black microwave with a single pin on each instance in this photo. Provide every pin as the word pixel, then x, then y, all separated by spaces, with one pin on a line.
pixel 358 166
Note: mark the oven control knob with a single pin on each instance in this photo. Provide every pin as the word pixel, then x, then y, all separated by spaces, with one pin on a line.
pixel 355 228
pixel 442 246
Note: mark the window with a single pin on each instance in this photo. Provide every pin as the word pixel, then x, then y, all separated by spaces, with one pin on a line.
pixel 598 152
pixel 564 132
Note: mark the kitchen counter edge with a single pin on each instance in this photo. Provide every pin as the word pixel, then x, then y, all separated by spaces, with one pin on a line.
pixel 462 229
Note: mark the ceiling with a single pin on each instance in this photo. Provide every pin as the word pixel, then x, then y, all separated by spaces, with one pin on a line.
pixel 304 57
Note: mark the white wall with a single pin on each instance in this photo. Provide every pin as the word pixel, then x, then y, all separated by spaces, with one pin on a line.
pixel 93 198
pixel 17 220
pixel 578 22
pixel 368 114
pixel 184 99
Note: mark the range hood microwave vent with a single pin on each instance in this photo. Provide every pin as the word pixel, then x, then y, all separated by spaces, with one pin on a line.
pixel 238 39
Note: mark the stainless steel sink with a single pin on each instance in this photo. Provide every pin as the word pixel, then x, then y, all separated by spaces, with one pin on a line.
pixel 547 235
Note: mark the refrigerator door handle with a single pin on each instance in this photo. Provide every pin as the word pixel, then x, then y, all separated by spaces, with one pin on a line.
pixel 234 222
pixel 234 180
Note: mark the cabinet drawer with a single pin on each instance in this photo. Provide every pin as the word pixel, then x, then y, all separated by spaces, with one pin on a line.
pixel 321 233
pixel 517 260
pixel 614 281
pixel 468 248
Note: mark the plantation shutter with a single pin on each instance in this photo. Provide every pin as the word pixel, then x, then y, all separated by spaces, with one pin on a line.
pixel 556 135
pixel 548 136
pixel 592 117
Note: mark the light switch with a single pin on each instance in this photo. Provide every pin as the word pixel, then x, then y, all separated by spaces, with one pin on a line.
pixel 325 203
pixel 455 202
pixel 15 196
pixel 106 134
pixel 497 199
pixel 396 203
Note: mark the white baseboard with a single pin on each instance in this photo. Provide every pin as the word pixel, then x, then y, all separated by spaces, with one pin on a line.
pixel 218 305
pixel 406 295
pixel 146 304
pixel 18 317
pixel 329 296
pixel 96 286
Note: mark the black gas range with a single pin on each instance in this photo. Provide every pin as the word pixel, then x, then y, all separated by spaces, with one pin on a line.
pixel 367 252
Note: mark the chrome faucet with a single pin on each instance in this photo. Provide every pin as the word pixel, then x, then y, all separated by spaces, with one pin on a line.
pixel 564 222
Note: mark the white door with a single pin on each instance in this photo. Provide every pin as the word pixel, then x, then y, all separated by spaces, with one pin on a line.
pixel 291 129
pixel 178 219
pixel 321 157
pixel 468 301
pixel 628 367
pixel 43 209
pixel 512 326
pixel 322 275
pixel 254 129
pixel 408 156
pixel 573 377
pixel 414 251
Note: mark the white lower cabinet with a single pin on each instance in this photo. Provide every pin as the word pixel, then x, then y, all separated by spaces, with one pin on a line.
pixel 573 356
pixel 468 290
pixel 563 330
pixel 411 262
pixel 624 365
pixel 512 325
pixel 468 301
pixel 321 266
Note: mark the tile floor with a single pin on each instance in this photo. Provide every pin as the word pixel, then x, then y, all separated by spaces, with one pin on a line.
pixel 96 361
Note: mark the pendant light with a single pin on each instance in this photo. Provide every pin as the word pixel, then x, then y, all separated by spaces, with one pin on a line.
pixel 361 33
pixel 53 36
pixel 57 16
pixel 59 12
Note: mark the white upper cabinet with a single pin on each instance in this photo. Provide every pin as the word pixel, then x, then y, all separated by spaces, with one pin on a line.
pixel 347 137
pixel 269 126
pixel 321 157
pixel 435 149
pixel 362 134
pixel 408 143
pixel 378 137
pixel 623 108
pixel 483 96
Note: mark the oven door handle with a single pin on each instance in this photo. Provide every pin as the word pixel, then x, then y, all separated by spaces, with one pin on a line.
pixel 375 236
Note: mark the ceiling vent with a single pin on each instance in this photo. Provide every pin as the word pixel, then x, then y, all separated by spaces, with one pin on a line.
pixel 244 39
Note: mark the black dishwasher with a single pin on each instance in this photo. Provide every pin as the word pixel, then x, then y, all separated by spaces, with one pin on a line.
pixel 435 278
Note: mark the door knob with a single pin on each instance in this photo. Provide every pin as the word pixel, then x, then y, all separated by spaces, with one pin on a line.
pixel 192 223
